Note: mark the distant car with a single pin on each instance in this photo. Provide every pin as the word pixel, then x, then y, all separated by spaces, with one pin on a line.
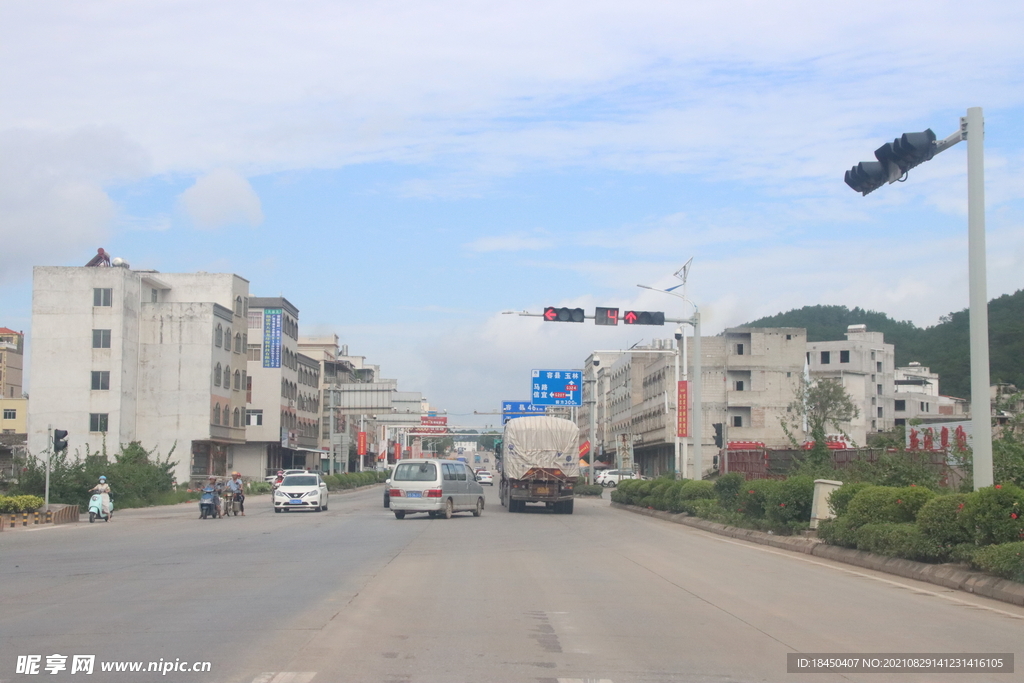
pixel 485 477
pixel 436 487
pixel 273 477
pixel 613 477
pixel 306 491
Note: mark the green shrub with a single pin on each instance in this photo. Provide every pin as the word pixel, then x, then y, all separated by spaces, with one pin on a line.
pixel 1005 560
pixel 996 513
pixel 839 500
pixel 838 531
pixel 964 552
pixel 626 491
pixel 753 498
pixel 674 496
pixel 21 503
pixel 727 489
pixel 259 487
pixel 899 540
pixel 705 508
pixel 789 501
pixel 878 504
pixel 942 519
pixel 588 490
pixel 660 492
pixel 693 490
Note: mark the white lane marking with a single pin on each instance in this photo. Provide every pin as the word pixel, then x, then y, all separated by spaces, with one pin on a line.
pixel 285 677
pixel 916 589
pixel 585 680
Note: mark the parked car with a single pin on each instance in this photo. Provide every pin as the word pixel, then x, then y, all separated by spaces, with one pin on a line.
pixel 613 477
pixel 436 487
pixel 306 491
pixel 485 477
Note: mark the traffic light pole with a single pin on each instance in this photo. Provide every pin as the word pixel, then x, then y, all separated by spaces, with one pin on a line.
pixel 49 452
pixel 894 160
pixel 973 126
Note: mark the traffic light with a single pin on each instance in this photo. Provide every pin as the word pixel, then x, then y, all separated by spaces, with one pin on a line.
pixel 60 440
pixel 718 434
pixel 894 159
pixel 606 316
pixel 563 315
pixel 643 318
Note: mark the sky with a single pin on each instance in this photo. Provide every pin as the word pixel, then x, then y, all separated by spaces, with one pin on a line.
pixel 404 172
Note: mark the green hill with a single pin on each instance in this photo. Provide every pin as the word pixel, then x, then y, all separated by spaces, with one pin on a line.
pixel 945 348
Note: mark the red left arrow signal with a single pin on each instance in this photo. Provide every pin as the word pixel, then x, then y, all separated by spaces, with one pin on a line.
pixel 550 313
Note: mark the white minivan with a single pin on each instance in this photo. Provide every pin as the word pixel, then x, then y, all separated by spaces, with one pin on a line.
pixel 436 487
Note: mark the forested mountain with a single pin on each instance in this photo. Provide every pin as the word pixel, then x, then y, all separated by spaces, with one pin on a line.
pixel 945 348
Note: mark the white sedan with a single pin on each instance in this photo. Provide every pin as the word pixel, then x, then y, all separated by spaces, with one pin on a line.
pixel 301 492
pixel 485 477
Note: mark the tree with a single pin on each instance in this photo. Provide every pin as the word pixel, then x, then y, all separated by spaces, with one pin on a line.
pixel 820 404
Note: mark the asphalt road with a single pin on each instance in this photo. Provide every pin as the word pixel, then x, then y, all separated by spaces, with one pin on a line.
pixel 353 594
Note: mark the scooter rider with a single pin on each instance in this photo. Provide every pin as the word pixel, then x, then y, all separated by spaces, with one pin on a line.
pixel 103 488
pixel 236 489
pixel 215 487
pixel 280 478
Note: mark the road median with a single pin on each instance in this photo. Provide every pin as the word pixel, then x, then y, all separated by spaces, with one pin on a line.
pixel 952 576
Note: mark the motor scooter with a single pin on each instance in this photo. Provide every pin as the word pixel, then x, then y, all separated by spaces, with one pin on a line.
pixel 209 506
pixel 96 508
pixel 232 504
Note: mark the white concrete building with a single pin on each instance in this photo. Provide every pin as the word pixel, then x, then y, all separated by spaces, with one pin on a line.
pixel 866 366
pixel 917 397
pixel 121 355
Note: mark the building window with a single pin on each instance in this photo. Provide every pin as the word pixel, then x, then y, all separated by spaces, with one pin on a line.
pixel 101 380
pixel 253 418
pixel 255 353
pixel 216 376
pixel 227 377
pixel 901 405
pixel 153 296
pixel 880 411
pixel 878 366
pixel 101 339
pixel 236 416
pixel 737 420
pixel 238 342
pixel 248 389
pixel 238 305
pixel 216 414
pixel 238 380
pixel 878 389
pixel 844 356
pixel 739 385
pixel 98 422
pixel 102 297
pixel 924 407
pixel 255 319
pixel 826 357
pixel 789 337
pixel 739 349
pixel 789 374
pixel 10 413
pixel 218 337
pixel 872 355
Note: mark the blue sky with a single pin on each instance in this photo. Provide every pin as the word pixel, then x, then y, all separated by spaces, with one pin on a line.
pixel 405 171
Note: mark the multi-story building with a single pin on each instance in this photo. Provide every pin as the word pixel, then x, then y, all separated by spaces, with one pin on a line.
pixel 749 375
pixel 282 422
pixel 866 366
pixel 750 379
pixel 12 362
pixel 917 397
pixel 120 355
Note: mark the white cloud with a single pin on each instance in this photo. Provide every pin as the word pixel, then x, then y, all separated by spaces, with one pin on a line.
pixel 54 208
pixel 222 198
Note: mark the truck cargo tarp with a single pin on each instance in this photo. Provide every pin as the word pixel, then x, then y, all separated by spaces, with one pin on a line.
pixel 541 441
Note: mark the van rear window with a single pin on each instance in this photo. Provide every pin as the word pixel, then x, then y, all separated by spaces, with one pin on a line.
pixel 426 471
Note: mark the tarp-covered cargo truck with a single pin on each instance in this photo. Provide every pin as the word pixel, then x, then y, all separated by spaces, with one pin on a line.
pixel 540 463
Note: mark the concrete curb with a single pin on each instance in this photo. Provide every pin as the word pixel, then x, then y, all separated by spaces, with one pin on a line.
pixel 946 575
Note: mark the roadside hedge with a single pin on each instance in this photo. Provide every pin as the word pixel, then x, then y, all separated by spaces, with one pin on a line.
pixel 839 500
pixel 943 520
pixel 351 480
pixel 996 514
pixel 20 503
pixel 1005 560
pixel 878 504
pixel 905 541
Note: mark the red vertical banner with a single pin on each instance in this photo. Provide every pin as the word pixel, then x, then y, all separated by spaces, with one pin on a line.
pixel 683 409
pixel 361 443
pixel 398 452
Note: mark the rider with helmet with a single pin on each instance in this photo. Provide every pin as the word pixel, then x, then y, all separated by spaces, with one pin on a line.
pixel 103 488
pixel 236 490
